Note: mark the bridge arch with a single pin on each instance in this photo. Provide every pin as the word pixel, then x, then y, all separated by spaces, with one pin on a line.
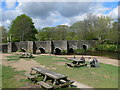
pixel 84 46
pixel 42 50
pixel 70 51
pixel 57 51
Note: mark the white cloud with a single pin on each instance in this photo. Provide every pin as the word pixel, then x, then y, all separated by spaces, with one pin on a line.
pixel 10 4
pixel 0 14
pixel 64 0
pixel 35 9
pixel 114 13
pixel 49 21
pixel 50 14
pixel 5 23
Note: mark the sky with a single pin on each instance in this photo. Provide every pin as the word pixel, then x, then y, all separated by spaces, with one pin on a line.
pixel 48 14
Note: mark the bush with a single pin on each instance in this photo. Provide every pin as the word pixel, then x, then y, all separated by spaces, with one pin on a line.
pixel 79 51
pixel 107 47
pixel 63 52
pixel 19 50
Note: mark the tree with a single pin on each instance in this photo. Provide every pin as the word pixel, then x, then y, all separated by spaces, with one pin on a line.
pixel 4 34
pixel 103 26
pixel 113 33
pixel 22 29
pixel 53 33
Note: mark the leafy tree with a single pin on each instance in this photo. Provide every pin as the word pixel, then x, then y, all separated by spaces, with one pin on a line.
pixel 113 33
pixel 103 26
pixel 3 34
pixel 22 29
pixel 53 33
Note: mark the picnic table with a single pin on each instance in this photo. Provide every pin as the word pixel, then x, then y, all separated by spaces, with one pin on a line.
pixel 58 80
pixel 77 62
pixel 25 54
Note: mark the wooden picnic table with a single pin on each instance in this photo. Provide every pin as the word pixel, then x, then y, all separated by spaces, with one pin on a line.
pixel 76 62
pixel 47 73
pixel 58 80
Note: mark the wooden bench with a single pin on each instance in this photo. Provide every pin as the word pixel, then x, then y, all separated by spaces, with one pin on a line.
pixel 75 65
pixel 31 77
pixel 70 64
pixel 64 84
pixel 45 85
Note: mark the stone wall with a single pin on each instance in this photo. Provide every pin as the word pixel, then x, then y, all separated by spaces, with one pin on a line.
pixel 60 44
pixel 87 43
pixel 72 44
pixel 48 46
pixel 4 48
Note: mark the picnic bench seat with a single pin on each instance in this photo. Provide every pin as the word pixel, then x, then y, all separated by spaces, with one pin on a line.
pixel 64 84
pixel 45 85
pixel 57 80
pixel 25 54
pixel 31 77
pixel 70 64
pixel 75 65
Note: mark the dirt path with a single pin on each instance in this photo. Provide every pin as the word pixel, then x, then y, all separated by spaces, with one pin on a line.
pixel 101 59
pixel 22 64
pixel 80 85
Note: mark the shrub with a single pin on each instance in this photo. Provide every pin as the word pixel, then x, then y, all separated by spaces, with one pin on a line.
pixel 63 52
pixel 107 47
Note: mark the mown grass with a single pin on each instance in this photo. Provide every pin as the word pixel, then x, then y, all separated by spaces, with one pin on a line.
pixel 0 76
pixel 13 58
pixel 8 78
pixel 104 77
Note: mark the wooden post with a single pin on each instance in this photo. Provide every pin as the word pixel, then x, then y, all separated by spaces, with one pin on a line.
pixel 54 82
pixel 45 78
pixel 31 71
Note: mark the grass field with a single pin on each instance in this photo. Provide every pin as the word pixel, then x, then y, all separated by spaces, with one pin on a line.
pixel 8 78
pixel 104 77
pixel 13 58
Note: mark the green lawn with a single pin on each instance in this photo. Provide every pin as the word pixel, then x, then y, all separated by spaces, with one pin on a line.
pixel 104 77
pixel 0 76
pixel 8 78
pixel 13 58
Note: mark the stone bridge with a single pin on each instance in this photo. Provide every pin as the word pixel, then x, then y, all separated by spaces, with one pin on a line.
pixel 48 46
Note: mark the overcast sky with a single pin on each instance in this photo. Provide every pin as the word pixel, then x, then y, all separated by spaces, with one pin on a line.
pixel 55 13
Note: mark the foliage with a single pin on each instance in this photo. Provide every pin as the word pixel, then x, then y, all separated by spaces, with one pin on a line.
pixel 107 47
pixel 53 33
pixel 13 58
pixel 79 51
pixel 3 34
pixel 22 29
pixel 91 28
pixel 63 52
